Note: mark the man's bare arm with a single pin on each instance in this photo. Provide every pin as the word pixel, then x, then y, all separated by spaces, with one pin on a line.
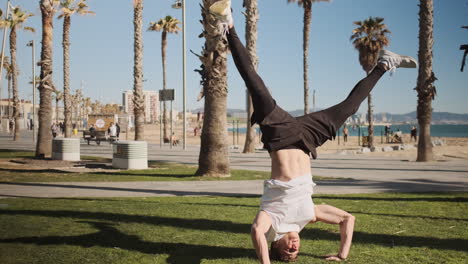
pixel 332 215
pixel 260 226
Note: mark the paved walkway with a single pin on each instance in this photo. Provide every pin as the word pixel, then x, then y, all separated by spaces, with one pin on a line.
pixel 356 173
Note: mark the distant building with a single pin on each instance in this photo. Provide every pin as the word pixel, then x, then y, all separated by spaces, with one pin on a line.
pixel 25 113
pixel 151 105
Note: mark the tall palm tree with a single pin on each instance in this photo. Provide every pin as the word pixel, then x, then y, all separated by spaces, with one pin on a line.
pixel 9 76
pixel 57 95
pixel 251 15
pixel 307 5
pixel 426 78
pixel 68 8
pixel 166 25
pixel 369 38
pixel 46 86
pixel 15 22
pixel 213 158
pixel 138 96
pixel 86 107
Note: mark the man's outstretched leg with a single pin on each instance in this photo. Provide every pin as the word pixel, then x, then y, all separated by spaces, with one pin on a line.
pixel 322 125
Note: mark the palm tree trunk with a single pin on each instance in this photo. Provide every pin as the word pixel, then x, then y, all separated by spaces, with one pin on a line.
pixel 10 92
pixel 138 96
pixel 306 33
pixel 251 44
pixel 66 76
pixel 213 159
pixel 16 106
pixel 56 111
pixel 44 138
pixel 370 119
pixel 425 84
pixel 163 53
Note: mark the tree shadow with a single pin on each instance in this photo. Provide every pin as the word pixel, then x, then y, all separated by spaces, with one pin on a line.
pixel 411 216
pixel 397 185
pixel 110 237
pixel 147 191
pixel 223 204
pixel 35 171
pixel 397 199
pixel 386 240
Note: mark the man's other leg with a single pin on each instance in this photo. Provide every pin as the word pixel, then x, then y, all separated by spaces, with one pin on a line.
pixel 262 100
pixel 338 114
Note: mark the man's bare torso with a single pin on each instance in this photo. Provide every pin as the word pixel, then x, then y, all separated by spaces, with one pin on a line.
pixel 287 164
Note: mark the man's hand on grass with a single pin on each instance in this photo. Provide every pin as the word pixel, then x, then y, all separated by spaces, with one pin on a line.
pixel 333 257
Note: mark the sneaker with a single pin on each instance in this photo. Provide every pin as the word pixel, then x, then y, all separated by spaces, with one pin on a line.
pixel 222 11
pixel 393 60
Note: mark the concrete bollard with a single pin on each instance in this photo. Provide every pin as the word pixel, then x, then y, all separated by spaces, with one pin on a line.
pixel 130 155
pixel 66 149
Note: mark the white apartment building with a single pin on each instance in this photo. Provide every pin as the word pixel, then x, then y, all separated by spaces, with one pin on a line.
pixel 151 105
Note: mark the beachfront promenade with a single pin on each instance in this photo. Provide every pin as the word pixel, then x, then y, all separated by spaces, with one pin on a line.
pixel 358 173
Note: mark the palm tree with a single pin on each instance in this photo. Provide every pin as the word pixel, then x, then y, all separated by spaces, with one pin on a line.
pixel 15 22
pixel 68 8
pixel 369 38
pixel 426 78
pixel 57 95
pixel 86 106
pixel 138 96
pixel 166 25
pixel 251 14
pixel 307 5
pixel 96 107
pixel 9 76
pixel 46 86
pixel 213 158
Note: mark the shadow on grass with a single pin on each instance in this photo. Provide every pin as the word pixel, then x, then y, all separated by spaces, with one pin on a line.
pixel 147 191
pixel 147 174
pixel 386 240
pixel 110 237
pixel 35 171
pixel 411 216
pixel 397 199
pixel 223 205
pixel 14 150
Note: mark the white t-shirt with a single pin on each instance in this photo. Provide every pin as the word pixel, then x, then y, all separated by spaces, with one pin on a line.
pixel 289 204
pixel 113 131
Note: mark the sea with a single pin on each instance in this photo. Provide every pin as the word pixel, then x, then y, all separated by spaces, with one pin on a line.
pixel 436 130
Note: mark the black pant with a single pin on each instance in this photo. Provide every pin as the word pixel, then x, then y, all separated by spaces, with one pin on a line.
pixel 278 127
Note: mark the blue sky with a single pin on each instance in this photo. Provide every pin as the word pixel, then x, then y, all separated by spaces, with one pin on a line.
pixel 102 52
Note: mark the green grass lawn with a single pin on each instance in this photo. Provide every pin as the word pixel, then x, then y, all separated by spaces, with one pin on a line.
pixel 390 228
pixel 157 172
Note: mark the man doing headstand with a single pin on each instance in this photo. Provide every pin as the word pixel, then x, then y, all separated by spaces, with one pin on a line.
pixel 286 205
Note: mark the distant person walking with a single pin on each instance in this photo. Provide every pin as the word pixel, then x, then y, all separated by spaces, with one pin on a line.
pixel 414 133
pixel 55 130
pixel 345 134
pixel 112 132
pixel 387 133
pixel 117 126
pixel 11 125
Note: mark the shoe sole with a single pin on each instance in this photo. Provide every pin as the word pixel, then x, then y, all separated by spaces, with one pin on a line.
pixel 406 62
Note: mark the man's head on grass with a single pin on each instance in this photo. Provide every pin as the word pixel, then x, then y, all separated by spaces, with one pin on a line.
pixel 286 248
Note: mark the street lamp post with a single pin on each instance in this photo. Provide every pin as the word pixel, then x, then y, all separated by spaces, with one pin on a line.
pixel 3 55
pixel 180 4
pixel 31 44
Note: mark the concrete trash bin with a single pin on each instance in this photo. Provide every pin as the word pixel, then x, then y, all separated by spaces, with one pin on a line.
pixel 66 149
pixel 130 155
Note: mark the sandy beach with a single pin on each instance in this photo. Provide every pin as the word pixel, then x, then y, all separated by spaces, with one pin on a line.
pixel 453 148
